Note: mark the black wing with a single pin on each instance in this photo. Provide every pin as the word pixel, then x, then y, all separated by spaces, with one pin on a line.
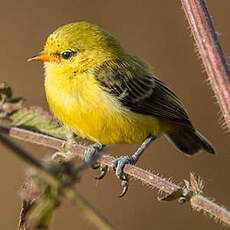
pixel 146 95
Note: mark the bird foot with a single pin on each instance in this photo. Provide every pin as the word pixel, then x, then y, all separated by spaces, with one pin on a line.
pixel 90 155
pixel 118 166
pixel 90 158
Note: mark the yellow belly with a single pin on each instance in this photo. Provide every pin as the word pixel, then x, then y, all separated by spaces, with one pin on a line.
pixel 81 105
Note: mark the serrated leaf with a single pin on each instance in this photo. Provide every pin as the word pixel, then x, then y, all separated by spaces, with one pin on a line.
pixel 36 119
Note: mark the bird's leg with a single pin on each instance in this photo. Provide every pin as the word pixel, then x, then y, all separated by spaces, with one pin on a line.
pixel 90 157
pixel 119 163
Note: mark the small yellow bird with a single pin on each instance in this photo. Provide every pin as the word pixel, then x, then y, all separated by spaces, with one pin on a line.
pixel 111 97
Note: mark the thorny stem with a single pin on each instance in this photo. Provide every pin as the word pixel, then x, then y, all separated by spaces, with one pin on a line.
pixel 199 202
pixel 79 149
pixel 202 203
pixel 211 52
pixel 52 178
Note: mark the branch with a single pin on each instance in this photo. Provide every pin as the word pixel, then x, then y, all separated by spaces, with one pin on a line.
pixel 211 52
pixel 78 150
pixel 191 192
pixel 51 174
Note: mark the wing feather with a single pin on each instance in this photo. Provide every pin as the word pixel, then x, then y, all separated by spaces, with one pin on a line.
pixel 145 95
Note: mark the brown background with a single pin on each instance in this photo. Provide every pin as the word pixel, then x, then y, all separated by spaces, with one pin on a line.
pixel 157 31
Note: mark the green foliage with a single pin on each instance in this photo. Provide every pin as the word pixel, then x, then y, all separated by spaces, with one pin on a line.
pixel 43 208
pixel 36 119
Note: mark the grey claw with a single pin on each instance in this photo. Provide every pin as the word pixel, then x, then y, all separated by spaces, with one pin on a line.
pixel 90 158
pixel 118 166
pixel 104 170
pixel 125 185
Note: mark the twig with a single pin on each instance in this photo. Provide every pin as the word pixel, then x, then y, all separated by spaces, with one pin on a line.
pixel 52 176
pixel 147 177
pixel 202 203
pixel 78 149
pixel 22 218
pixel 211 52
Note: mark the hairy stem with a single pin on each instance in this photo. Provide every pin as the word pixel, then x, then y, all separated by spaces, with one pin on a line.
pixel 211 52
pixel 199 202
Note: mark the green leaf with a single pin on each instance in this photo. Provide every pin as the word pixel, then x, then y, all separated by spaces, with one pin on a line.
pixel 43 209
pixel 36 119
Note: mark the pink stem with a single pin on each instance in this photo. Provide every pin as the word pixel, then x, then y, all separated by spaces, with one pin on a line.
pixel 211 52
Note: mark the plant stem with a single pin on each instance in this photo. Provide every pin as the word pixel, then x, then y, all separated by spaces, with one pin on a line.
pixel 51 175
pixel 211 52
pixel 199 202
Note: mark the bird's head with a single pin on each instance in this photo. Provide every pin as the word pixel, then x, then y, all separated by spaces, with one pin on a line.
pixel 76 47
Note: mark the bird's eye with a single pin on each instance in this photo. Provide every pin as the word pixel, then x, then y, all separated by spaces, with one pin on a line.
pixel 67 54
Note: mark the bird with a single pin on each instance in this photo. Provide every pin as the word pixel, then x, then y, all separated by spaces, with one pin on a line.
pixel 102 93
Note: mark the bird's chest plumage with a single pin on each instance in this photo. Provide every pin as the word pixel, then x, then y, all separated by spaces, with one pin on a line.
pixel 80 104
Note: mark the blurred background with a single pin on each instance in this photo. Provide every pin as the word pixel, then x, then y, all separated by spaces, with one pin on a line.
pixel 158 32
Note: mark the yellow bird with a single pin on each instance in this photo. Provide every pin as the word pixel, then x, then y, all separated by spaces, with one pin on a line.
pixel 98 90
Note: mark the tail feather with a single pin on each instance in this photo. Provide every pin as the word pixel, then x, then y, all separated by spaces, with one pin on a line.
pixel 190 141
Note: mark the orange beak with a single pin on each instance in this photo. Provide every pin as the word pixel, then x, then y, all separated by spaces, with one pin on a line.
pixel 45 57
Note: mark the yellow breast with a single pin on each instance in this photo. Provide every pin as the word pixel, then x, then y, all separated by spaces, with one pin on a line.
pixel 80 104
